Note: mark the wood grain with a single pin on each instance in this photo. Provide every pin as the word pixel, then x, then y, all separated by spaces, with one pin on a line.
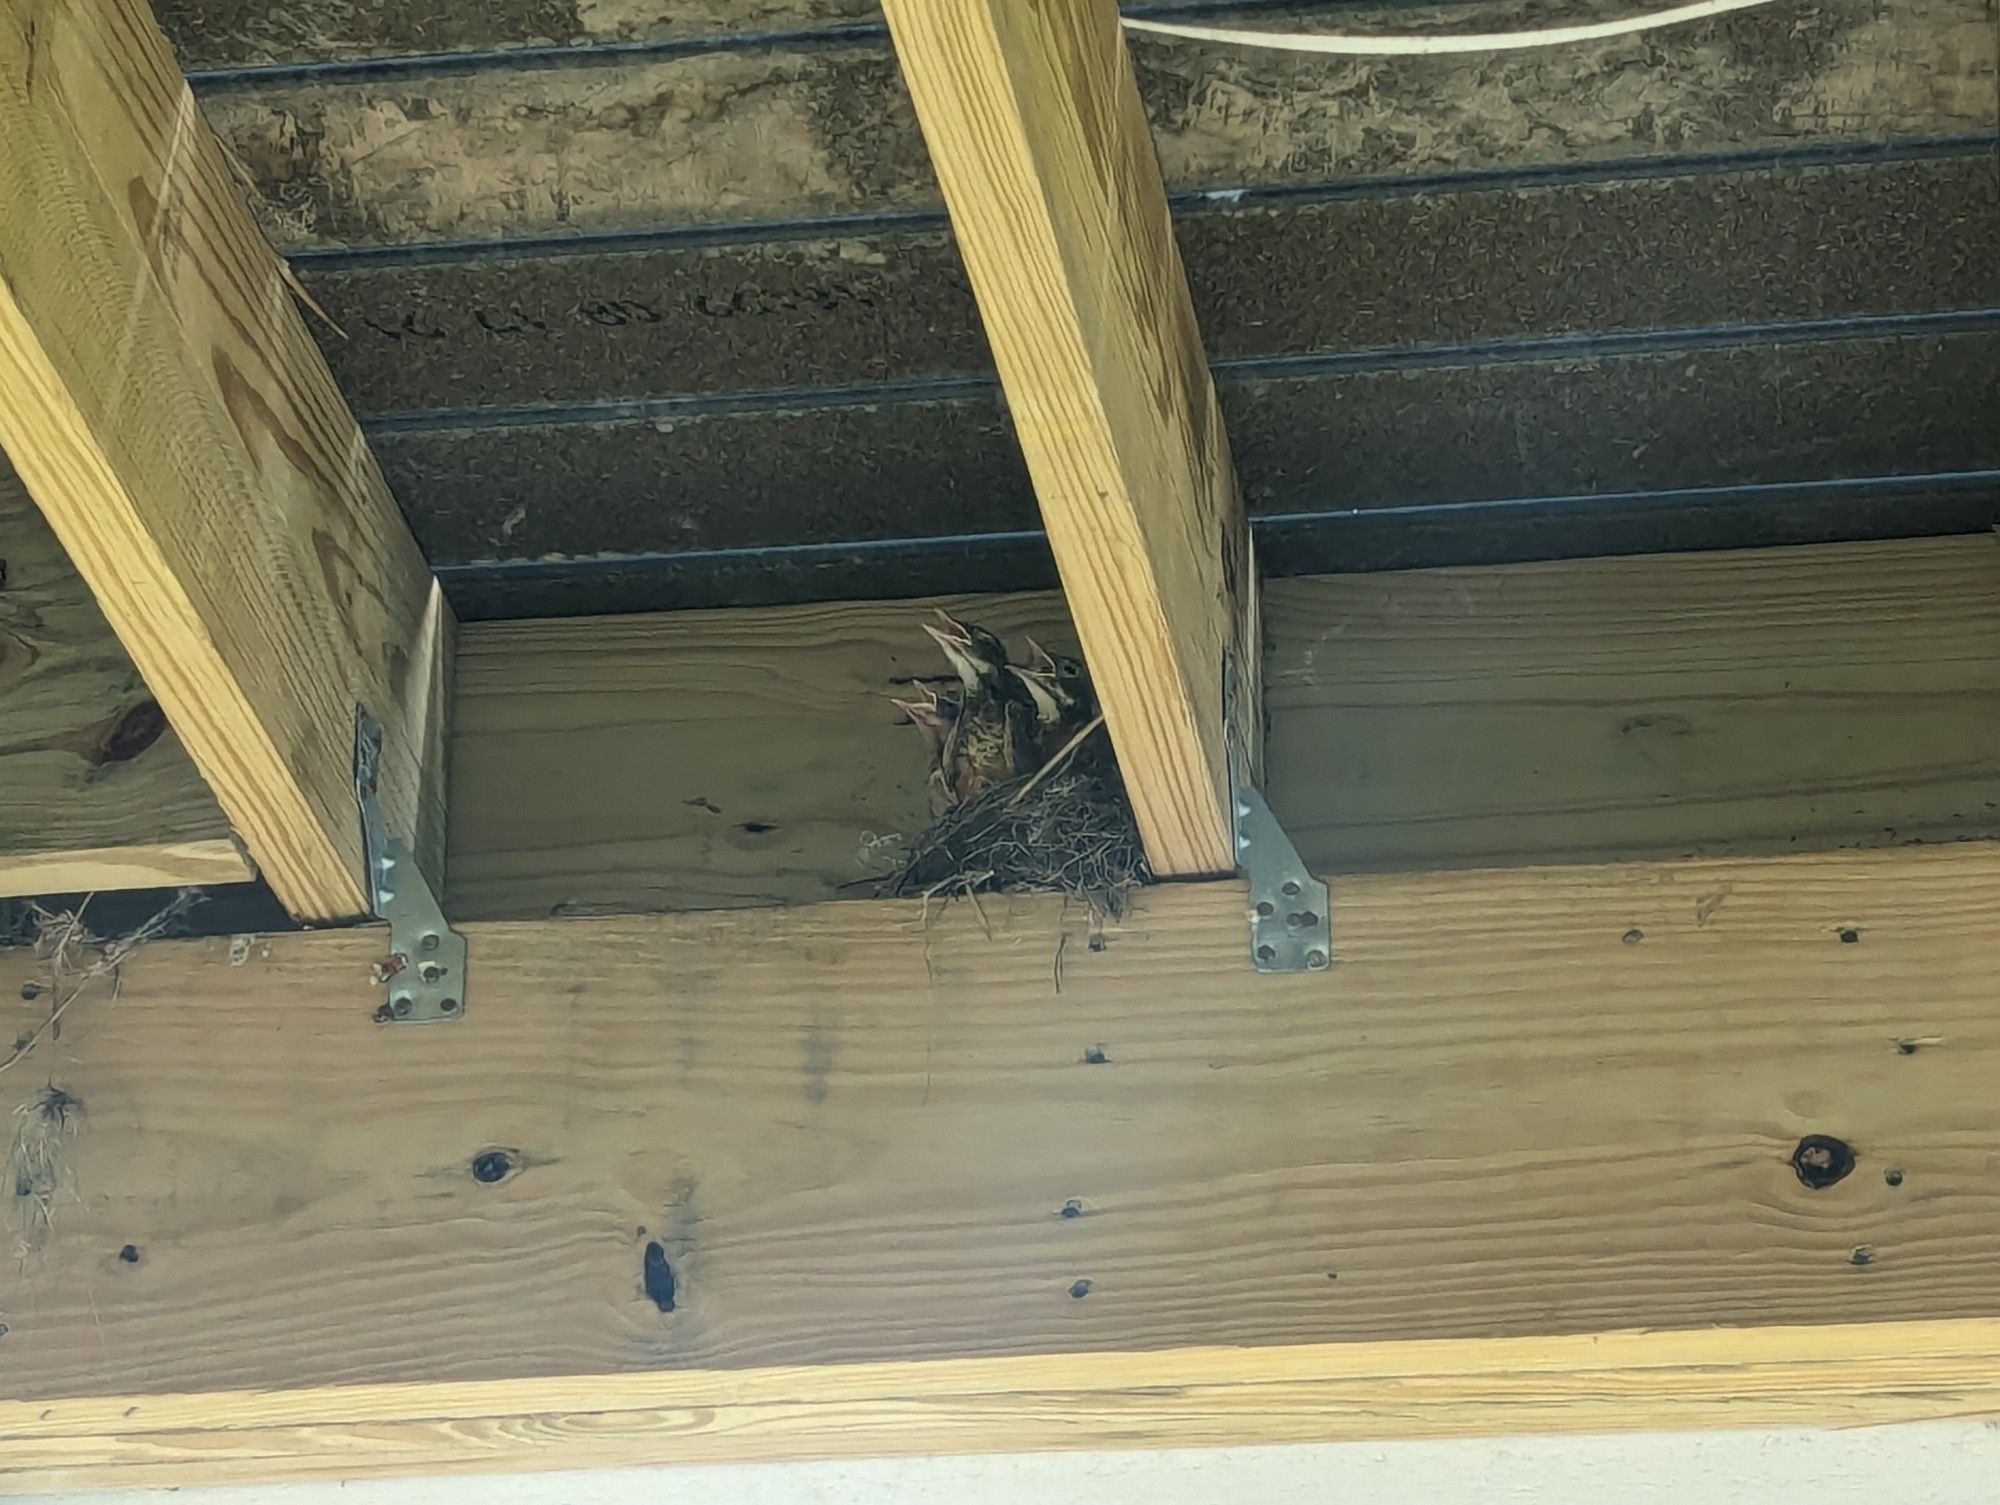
pixel 162 400
pixel 785 132
pixel 95 789
pixel 1035 127
pixel 695 760
pixel 1755 701
pixel 1523 1105
pixel 1759 699
pixel 1812 1377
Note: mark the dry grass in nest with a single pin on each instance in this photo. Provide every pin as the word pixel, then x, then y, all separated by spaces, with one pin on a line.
pixel 73 958
pixel 1066 829
pixel 37 1169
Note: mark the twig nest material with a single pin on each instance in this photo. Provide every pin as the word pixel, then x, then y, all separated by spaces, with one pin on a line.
pixel 1067 828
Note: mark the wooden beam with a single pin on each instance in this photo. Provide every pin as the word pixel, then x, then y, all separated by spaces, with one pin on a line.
pixel 1523 1158
pixel 1860 1374
pixel 98 790
pixel 1039 138
pixel 169 412
pixel 1552 712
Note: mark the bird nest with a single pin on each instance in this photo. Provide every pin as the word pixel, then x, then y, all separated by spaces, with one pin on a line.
pixel 1067 828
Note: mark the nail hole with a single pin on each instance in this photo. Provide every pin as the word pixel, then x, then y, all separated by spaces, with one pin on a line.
pixel 1094 1055
pixel 1267 953
pixel 1307 917
pixel 1633 936
pixel 1849 935
pixel 1079 1289
pixel 30 991
pixel 1820 1160
pixel 1906 1047
pixel 491 1165
pixel 1863 1255
pixel 130 1254
pixel 1289 889
pixel 429 943
pixel 1265 909
pixel 448 1005
pixel 1893 1177
pixel 1098 943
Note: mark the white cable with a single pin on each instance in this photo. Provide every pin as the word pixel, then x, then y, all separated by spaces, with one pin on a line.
pixel 1412 45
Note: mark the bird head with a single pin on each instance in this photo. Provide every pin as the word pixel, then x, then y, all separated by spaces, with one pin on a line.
pixel 1058 665
pixel 974 653
pixel 1044 690
pixel 1058 684
pixel 931 716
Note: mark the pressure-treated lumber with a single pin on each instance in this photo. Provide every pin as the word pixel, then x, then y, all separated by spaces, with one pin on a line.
pixel 1859 1374
pixel 168 411
pixel 1756 701
pixel 1035 126
pixel 95 789
pixel 1044 1192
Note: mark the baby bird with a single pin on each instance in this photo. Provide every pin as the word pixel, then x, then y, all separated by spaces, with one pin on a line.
pixel 1059 687
pixel 992 737
pixel 932 715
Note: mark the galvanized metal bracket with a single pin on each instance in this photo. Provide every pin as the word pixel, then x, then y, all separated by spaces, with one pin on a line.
pixel 1291 919
pixel 425 968
pixel 1291 911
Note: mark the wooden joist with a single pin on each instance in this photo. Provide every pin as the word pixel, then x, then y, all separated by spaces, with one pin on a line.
pixel 95 788
pixel 851 1178
pixel 168 410
pixel 1762 700
pixel 1035 126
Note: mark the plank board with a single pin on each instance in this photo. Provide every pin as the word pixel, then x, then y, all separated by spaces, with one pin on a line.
pixel 1754 700
pixel 95 788
pixel 1523 1104
pixel 734 757
pixel 1806 1377
pixel 1731 702
pixel 796 131
pixel 163 402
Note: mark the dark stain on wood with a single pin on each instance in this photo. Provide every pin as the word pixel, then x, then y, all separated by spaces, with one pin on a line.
pixel 256 420
pixel 657 1276
pixel 132 733
pixel 1821 1160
